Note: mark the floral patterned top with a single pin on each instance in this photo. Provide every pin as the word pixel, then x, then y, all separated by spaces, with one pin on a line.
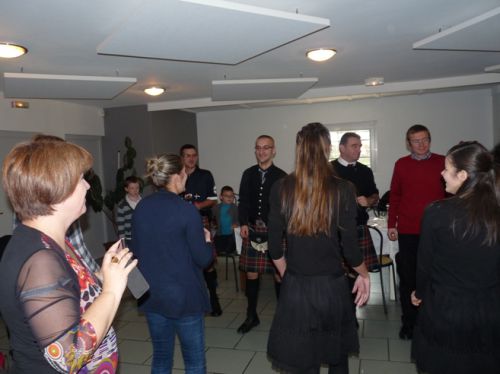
pixel 69 341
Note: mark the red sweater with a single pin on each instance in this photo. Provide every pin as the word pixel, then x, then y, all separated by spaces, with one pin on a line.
pixel 415 184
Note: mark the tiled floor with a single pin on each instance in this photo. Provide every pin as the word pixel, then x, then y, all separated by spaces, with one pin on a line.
pixel 229 352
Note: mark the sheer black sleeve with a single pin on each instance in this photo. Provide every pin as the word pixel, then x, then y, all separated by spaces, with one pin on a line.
pixel 50 298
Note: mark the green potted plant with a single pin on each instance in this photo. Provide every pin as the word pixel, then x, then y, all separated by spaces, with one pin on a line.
pixel 107 203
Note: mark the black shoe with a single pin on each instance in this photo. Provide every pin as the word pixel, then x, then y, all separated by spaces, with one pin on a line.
pixel 216 309
pixel 406 333
pixel 249 324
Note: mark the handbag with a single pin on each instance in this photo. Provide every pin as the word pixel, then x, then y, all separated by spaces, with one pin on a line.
pixel 258 240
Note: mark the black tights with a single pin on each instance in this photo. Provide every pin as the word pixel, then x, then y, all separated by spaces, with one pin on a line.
pixel 341 368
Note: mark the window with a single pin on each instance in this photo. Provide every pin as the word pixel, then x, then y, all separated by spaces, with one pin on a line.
pixel 365 130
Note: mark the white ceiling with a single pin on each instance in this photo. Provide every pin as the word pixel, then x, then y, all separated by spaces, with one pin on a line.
pixel 372 37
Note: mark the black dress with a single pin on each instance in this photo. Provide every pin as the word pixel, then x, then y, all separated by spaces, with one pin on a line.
pixel 458 280
pixel 314 323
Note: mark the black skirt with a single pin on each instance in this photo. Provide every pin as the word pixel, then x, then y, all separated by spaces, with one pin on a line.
pixel 314 323
pixel 458 331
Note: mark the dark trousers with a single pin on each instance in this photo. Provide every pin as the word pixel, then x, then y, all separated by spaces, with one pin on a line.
pixel 406 261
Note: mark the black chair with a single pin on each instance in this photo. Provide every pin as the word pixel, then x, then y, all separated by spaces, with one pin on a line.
pixel 383 262
pixel 227 249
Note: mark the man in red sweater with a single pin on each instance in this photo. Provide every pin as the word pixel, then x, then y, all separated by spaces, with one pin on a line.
pixel 416 182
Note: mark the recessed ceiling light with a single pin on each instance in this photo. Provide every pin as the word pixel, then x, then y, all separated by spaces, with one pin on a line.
pixel 8 50
pixel 154 91
pixel 321 54
pixel 374 81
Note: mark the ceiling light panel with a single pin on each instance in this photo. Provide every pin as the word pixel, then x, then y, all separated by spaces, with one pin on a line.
pixel 48 86
pixel 260 89
pixel 480 33
pixel 212 31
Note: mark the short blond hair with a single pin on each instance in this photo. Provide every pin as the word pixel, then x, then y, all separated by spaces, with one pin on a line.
pixel 39 174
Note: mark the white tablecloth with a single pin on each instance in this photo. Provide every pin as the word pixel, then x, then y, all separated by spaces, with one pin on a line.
pixel 389 247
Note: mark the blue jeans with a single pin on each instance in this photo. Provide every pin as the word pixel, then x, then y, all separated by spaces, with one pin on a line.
pixel 191 332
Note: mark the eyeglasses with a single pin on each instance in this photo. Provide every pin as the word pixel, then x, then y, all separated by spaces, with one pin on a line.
pixel 423 141
pixel 263 148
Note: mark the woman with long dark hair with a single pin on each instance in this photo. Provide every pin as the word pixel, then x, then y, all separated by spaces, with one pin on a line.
pixel 316 212
pixel 458 272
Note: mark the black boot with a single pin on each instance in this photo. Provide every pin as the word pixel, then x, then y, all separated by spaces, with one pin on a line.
pixel 252 292
pixel 211 279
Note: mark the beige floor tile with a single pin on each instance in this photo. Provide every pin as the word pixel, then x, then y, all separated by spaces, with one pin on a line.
pixel 134 331
pixel 228 361
pixel 381 329
pixel 135 352
pixel 399 350
pixel 386 367
pixel 221 338
pixel 125 368
pixel 222 321
pixel 254 341
pixel 376 349
pixel 260 365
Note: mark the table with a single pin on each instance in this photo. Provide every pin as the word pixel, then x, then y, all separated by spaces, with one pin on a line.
pixel 389 247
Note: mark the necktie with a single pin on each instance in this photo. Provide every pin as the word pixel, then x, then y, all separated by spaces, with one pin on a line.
pixel 262 176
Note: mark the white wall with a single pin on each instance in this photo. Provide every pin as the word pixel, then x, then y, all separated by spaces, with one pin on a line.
pixel 226 138
pixel 52 117
pixel 66 120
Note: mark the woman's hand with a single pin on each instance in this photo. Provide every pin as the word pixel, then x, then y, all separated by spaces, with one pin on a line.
pixel 208 237
pixel 115 270
pixel 361 289
pixel 415 300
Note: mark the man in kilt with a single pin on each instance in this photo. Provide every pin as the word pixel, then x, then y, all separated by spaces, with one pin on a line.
pixel 253 208
pixel 348 167
pixel 200 191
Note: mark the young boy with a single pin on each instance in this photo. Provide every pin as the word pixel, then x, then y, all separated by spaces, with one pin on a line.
pixel 126 207
pixel 226 218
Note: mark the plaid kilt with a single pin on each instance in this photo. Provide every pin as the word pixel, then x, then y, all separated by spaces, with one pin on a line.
pixel 252 261
pixel 366 246
pixel 367 249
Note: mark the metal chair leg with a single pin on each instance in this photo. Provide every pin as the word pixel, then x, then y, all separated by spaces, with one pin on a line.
pixel 395 284
pixel 235 274
pixel 383 292
pixel 226 264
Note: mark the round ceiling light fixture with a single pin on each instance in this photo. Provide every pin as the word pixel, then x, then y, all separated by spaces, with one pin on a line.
pixel 154 91
pixel 8 50
pixel 374 81
pixel 321 54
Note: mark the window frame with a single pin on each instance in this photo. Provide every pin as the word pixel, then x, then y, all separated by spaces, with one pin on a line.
pixel 356 126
